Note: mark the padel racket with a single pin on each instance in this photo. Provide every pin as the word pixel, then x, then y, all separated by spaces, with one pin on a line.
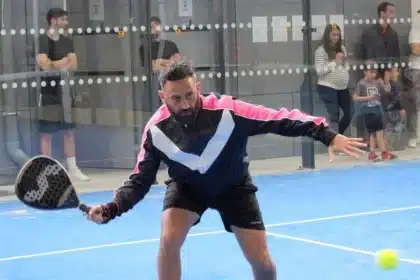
pixel 44 184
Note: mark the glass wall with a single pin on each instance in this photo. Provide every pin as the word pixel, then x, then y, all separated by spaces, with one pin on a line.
pixel 268 53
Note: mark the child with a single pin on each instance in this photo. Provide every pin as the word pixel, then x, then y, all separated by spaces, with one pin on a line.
pixel 368 94
pixel 394 112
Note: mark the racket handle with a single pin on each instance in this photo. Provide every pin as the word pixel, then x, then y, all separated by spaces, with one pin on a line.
pixel 84 208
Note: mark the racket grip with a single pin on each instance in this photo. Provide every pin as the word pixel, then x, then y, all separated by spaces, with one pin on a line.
pixel 84 208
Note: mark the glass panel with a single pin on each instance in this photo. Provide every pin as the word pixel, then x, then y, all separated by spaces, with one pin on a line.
pixel 108 87
pixel 264 65
pixel 365 45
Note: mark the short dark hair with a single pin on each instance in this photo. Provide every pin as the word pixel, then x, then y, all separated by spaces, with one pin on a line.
pixel 383 7
pixel 155 19
pixel 55 13
pixel 177 71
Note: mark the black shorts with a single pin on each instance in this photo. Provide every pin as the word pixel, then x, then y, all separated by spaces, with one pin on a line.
pixel 374 120
pixel 54 115
pixel 237 207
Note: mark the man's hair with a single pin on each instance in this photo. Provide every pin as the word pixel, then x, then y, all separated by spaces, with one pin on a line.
pixel 383 7
pixel 55 13
pixel 155 19
pixel 175 72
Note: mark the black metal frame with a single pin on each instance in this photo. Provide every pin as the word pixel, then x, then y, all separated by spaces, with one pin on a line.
pixel 306 94
pixel 220 47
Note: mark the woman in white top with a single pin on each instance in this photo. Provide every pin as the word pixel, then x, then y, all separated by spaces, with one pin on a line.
pixel 333 77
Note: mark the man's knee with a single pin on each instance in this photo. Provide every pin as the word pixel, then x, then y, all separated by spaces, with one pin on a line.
pixel 176 224
pixel 254 247
pixel 264 266
pixel 171 242
pixel 46 138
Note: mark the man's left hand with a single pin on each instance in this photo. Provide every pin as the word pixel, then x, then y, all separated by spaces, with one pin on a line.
pixel 349 146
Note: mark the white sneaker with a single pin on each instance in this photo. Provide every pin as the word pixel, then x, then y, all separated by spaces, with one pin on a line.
pixel 412 143
pixel 78 174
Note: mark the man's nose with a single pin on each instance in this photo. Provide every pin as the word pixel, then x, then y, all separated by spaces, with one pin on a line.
pixel 185 105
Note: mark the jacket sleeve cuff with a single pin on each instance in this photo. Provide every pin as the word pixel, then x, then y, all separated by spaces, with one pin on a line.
pixel 112 210
pixel 329 135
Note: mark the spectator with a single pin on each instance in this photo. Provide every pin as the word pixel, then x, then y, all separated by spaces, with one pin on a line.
pixel 368 94
pixel 163 51
pixel 331 62
pixel 394 112
pixel 413 81
pixel 380 41
pixel 56 53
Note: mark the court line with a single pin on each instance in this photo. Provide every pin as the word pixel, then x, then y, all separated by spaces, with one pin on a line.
pixel 59 252
pixel 351 215
pixel 339 247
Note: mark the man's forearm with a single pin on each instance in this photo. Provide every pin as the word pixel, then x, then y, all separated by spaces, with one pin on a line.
pixel 59 64
pixel 72 67
pixel 415 49
pixel 159 64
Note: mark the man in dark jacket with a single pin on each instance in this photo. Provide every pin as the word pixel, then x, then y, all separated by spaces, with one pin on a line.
pixel 380 41
pixel 203 139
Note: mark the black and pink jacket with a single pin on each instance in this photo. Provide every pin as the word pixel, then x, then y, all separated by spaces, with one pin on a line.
pixel 210 155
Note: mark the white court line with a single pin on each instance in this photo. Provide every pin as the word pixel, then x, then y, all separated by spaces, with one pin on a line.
pixel 346 216
pixel 151 240
pixel 401 209
pixel 339 247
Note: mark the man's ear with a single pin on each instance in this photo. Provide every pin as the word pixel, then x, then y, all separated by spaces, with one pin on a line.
pixel 162 96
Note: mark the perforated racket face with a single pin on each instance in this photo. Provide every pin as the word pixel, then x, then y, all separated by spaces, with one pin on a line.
pixel 43 183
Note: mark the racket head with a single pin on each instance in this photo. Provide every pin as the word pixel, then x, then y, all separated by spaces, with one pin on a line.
pixel 43 183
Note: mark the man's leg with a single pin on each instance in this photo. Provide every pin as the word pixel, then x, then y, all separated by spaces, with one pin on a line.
pixel 46 128
pixel 70 153
pixel 254 246
pixel 180 212
pixel 176 224
pixel 241 215
pixel 46 144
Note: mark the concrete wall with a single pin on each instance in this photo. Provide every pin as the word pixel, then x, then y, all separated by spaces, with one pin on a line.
pixel 106 137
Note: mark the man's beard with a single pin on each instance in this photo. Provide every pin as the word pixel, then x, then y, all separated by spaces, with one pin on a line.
pixel 187 116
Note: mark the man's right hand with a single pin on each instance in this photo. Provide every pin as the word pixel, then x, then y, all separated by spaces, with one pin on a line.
pixel 96 214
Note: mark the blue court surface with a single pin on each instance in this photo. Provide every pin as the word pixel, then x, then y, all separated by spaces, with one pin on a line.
pixel 321 225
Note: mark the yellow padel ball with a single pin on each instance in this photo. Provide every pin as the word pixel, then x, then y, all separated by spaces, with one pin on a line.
pixel 387 259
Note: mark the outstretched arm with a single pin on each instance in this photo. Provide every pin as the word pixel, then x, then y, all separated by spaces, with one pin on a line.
pixel 257 119
pixel 139 182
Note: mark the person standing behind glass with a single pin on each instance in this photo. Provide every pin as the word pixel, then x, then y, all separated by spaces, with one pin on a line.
pixel 413 76
pixel 163 51
pixel 56 53
pixel 333 77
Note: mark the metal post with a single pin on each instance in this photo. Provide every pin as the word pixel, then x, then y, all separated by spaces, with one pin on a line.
pixel 218 6
pixel 148 53
pixel 231 48
pixel 306 94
